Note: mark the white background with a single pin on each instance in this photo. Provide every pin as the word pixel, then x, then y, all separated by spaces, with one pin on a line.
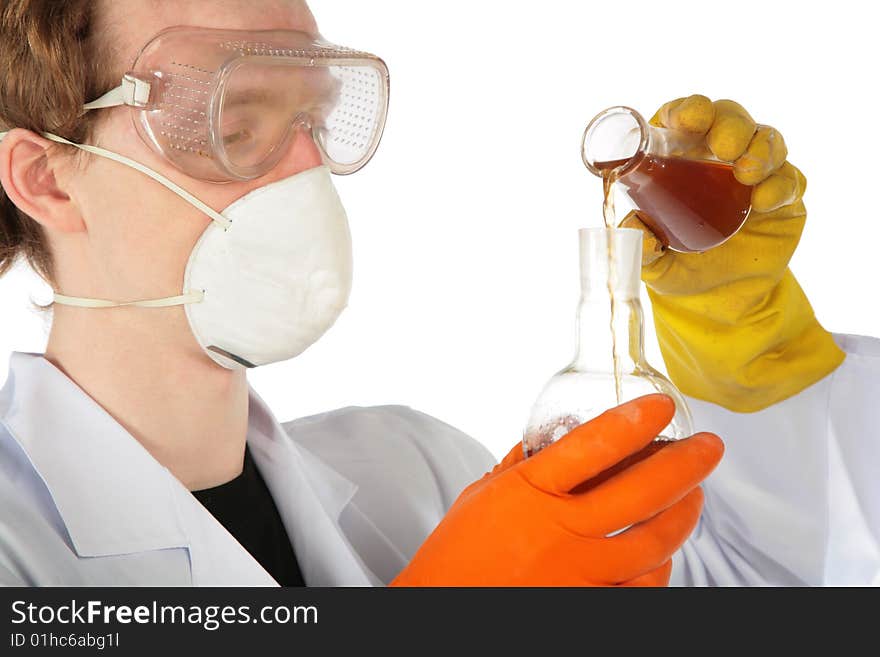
pixel 464 224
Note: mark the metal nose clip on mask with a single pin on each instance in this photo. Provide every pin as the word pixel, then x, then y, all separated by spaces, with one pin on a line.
pixel 272 272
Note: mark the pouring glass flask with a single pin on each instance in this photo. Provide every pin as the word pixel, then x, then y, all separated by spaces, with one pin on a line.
pixel 609 365
pixel 689 198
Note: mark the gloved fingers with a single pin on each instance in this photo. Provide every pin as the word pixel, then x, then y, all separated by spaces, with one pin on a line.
pixel 514 456
pixel 598 444
pixel 661 115
pixel 731 132
pixel 782 188
pixel 642 490
pixel 659 577
pixel 764 155
pixel 652 248
pixel 644 547
pixel 693 114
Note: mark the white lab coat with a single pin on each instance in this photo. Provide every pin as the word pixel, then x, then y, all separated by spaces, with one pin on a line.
pixel 796 498
pixel 795 501
pixel 82 503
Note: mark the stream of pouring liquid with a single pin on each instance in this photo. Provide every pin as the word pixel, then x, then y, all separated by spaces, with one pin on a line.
pixel 609 177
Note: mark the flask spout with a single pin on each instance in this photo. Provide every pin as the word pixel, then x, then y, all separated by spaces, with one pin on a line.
pixel 615 139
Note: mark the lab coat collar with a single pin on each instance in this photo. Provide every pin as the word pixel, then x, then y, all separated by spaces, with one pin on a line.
pixel 107 510
pixel 310 496
pixel 333 490
pixel 138 505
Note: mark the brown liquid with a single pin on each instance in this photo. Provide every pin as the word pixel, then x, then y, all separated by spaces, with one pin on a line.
pixel 690 205
pixel 608 179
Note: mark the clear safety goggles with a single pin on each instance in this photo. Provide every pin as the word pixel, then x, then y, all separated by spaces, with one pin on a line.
pixel 223 105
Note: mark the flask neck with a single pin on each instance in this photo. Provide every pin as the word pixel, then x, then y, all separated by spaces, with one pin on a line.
pixel 609 318
pixel 616 139
pixel 599 337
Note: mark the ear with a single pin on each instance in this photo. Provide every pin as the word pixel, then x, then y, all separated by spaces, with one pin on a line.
pixel 27 174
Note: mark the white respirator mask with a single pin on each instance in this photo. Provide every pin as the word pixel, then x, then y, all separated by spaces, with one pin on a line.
pixel 269 275
pixel 277 278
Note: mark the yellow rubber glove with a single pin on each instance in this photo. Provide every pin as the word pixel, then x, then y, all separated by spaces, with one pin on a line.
pixel 734 326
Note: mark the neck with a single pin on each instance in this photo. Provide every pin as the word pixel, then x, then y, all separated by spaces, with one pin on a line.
pixel 187 411
pixel 610 259
pixel 598 339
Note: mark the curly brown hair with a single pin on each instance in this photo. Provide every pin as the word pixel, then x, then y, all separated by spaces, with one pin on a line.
pixel 50 67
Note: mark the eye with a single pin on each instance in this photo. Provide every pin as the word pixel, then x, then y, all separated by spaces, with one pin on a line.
pixel 237 137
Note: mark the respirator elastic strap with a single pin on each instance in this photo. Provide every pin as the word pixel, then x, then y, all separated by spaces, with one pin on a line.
pixel 158 177
pixel 195 296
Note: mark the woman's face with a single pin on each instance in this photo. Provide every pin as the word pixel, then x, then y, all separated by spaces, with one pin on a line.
pixel 136 235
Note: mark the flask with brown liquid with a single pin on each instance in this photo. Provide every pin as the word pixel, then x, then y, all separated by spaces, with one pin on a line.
pixel 689 199
pixel 609 365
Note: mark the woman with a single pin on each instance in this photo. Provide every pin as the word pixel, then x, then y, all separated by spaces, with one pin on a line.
pixel 207 240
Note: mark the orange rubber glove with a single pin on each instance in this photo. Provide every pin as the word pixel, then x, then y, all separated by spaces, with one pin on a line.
pixel 544 521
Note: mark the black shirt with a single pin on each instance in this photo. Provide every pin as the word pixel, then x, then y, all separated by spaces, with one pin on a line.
pixel 246 508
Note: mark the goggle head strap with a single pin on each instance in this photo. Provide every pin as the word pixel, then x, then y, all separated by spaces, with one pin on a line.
pixel 133 92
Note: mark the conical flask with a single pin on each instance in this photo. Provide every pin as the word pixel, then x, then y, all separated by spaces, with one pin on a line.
pixel 609 365
pixel 690 200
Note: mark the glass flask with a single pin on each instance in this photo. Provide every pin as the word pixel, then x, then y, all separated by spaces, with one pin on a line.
pixel 689 199
pixel 609 365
